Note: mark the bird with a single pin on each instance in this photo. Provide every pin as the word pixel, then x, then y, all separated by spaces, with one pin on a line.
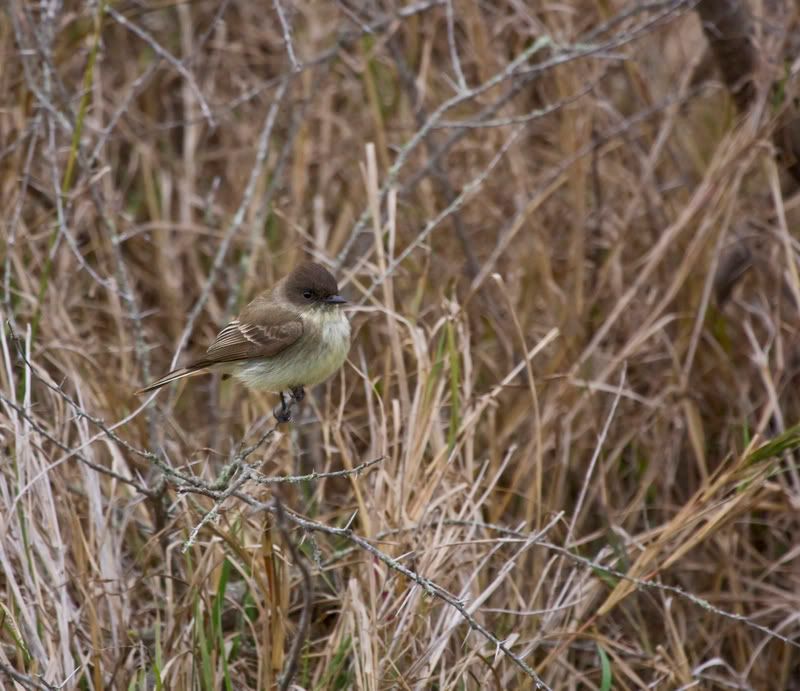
pixel 292 336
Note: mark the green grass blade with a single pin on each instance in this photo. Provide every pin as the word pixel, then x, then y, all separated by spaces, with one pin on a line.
pixel 606 677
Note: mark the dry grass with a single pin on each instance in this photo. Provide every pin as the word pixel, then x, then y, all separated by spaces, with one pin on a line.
pixel 565 375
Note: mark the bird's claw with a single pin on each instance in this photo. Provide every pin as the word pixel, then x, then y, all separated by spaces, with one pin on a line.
pixel 283 413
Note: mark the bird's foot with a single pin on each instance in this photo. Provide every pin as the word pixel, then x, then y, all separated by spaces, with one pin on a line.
pixel 283 413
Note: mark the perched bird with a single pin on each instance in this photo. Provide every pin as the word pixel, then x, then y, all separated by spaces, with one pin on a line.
pixel 292 336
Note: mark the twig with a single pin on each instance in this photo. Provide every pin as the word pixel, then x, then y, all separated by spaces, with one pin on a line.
pixel 426 584
pixel 244 268
pixel 292 479
pixel 221 490
pixel 562 56
pixel 440 174
pixel 673 590
pixel 15 218
pixel 30 79
pixel 502 573
pixel 138 83
pixel 469 189
pixel 353 17
pixel 129 298
pixel 68 177
pixel 169 57
pixel 213 512
pixel 451 42
pixel 429 586
pixel 184 481
pixel 79 410
pixel 421 132
pixel 523 80
pixel 242 455
pixel 61 221
pixel 216 490
pixel 594 565
pixel 43 36
pixel 135 89
pixel 287 36
pixel 94 466
pixel 537 114
pixel 26 680
pixel 105 429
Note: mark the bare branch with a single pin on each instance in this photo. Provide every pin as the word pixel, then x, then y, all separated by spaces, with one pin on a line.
pixel 597 566
pixel 419 135
pixel 94 466
pixel 426 584
pixel 451 41
pixel 287 36
pixel 514 69
pixel 26 680
pixel 293 479
pixel 169 57
pixel 213 512
pixel 469 189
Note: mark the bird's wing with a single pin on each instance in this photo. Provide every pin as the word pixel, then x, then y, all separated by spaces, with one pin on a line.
pixel 261 331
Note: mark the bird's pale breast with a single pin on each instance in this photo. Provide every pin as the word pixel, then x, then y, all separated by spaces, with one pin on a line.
pixel 320 351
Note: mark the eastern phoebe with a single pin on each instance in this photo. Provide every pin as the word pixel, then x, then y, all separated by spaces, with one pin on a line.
pixel 289 337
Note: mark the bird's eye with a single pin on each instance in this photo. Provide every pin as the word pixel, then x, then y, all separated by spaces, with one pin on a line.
pixel 307 294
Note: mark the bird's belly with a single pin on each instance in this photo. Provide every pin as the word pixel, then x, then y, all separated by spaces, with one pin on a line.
pixel 308 362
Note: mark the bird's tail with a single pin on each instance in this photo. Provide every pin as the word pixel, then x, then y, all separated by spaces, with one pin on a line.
pixel 170 377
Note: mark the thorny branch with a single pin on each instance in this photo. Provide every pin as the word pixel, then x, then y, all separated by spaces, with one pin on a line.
pixel 222 489
pixel 294 479
pixel 598 566
pixel 429 586
pixel 90 464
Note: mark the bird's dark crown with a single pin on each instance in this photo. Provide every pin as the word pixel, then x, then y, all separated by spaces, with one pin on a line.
pixel 310 282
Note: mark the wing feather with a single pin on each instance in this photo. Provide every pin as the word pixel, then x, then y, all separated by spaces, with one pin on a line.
pixel 261 331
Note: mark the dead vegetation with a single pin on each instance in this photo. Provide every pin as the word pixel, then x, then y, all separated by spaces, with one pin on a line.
pixel 562 451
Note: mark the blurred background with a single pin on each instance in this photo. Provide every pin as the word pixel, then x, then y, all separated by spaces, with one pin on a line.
pixel 569 235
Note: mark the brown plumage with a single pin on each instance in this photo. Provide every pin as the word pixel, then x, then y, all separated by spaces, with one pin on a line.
pixel 262 330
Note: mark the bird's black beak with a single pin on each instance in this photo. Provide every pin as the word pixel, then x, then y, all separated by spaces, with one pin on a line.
pixel 335 300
